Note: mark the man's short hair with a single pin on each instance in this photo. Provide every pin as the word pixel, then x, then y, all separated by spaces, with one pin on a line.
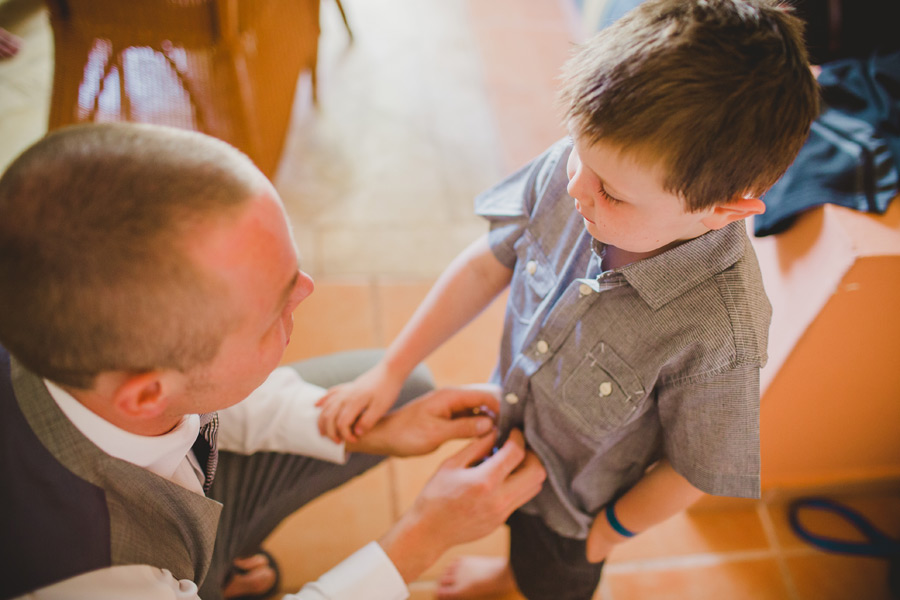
pixel 717 92
pixel 95 275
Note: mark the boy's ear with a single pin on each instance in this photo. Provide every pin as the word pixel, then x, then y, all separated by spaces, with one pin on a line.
pixel 142 396
pixel 735 210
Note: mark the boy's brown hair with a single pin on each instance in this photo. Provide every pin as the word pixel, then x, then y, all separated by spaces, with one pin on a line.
pixel 95 274
pixel 718 92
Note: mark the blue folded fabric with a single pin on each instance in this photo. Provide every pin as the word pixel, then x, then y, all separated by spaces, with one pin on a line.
pixel 852 156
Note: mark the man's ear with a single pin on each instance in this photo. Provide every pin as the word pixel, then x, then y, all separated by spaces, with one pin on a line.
pixel 142 396
pixel 735 210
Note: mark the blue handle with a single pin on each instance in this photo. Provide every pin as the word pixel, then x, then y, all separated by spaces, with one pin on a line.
pixel 878 543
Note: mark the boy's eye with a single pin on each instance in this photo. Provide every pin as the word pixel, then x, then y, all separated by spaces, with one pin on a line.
pixel 607 197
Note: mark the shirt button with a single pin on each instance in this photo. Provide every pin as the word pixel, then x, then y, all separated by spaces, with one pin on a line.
pixel 605 389
pixel 511 398
pixel 584 289
pixel 542 346
pixel 531 267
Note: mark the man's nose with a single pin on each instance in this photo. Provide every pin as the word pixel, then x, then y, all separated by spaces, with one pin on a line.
pixel 305 286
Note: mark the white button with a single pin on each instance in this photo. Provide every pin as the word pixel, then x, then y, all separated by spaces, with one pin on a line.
pixel 531 267
pixel 584 289
pixel 542 346
pixel 511 398
pixel 605 388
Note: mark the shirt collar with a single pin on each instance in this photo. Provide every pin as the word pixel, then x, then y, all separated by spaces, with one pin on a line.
pixel 664 277
pixel 160 454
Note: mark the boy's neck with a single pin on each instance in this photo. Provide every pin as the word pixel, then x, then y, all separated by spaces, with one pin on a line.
pixel 616 258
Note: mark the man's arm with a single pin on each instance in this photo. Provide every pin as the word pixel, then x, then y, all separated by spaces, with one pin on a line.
pixel 278 416
pixel 462 502
pixel 660 494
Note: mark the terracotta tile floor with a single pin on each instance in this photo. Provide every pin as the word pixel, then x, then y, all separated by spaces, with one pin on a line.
pixel 731 549
pixel 434 101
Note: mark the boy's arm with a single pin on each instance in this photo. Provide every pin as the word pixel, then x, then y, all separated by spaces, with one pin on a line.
pixel 660 494
pixel 463 290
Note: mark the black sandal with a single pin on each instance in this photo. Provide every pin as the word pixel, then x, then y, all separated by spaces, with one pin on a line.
pixel 273 564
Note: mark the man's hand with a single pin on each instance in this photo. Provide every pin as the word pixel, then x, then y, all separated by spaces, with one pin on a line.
pixel 430 420
pixel 462 503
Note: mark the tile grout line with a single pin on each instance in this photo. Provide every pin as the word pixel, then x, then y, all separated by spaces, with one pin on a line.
pixel 604 588
pixel 375 289
pixel 393 492
pixel 689 561
pixel 765 517
pixel 317 257
pixel 707 559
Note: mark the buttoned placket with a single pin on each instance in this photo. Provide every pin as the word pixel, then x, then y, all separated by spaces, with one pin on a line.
pixel 542 343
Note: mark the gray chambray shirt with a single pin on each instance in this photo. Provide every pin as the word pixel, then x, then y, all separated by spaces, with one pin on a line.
pixel 608 371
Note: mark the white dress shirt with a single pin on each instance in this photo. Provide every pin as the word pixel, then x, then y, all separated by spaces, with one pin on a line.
pixel 280 416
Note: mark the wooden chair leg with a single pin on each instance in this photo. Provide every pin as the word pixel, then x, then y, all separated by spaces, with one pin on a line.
pixel 124 99
pixel 344 17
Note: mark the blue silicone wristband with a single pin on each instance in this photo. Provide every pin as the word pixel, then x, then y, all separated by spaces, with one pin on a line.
pixel 614 522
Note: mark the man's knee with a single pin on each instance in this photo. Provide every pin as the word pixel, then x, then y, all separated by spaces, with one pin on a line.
pixel 419 382
pixel 341 367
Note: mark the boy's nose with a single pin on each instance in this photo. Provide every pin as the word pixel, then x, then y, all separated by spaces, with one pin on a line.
pixel 574 186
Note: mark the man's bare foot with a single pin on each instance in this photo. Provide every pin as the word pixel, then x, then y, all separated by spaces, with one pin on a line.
pixel 252 576
pixel 476 577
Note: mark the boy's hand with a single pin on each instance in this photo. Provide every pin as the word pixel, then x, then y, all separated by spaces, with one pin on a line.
pixel 351 409
pixel 602 539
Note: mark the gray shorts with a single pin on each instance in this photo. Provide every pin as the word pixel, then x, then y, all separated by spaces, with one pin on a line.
pixel 548 566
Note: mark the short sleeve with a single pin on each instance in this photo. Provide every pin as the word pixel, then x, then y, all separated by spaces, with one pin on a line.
pixel 510 204
pixel 711 431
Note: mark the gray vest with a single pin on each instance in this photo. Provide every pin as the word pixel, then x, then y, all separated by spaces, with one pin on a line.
pixel 68 507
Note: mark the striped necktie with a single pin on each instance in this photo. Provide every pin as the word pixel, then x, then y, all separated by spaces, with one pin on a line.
pixel 209 426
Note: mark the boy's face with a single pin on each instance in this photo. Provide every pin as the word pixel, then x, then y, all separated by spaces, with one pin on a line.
pixel 623 202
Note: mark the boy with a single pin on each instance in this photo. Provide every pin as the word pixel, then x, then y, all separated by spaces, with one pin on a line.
pixel 636 323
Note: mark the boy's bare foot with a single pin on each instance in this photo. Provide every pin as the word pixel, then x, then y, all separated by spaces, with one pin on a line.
pixel 9 44
pixel 476 577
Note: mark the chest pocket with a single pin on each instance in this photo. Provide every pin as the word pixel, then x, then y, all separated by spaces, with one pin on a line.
pixel 533 280
pixel 602 393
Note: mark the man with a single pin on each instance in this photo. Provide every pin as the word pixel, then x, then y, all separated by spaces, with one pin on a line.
pixel 147 281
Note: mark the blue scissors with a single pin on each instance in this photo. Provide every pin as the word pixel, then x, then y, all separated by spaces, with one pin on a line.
pixel 877 544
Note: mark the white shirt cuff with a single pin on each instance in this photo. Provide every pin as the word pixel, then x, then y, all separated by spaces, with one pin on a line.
pixel 368 573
